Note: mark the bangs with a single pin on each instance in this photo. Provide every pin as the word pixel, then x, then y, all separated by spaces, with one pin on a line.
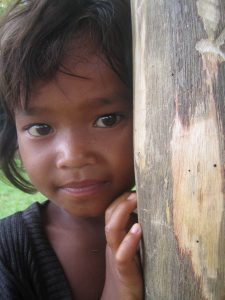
pixel 35 52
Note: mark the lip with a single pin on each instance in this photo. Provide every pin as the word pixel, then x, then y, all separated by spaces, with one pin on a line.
pixel 83 188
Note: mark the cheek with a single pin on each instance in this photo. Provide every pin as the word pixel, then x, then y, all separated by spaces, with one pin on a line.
pixel 122 155
pixel 34 160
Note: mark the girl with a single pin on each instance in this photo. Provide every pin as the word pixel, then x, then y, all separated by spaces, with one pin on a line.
pixel 66 110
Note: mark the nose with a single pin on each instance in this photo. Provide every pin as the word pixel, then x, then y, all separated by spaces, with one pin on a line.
pixel 75 150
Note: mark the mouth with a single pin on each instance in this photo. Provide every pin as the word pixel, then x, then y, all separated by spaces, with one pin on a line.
pixel 83 188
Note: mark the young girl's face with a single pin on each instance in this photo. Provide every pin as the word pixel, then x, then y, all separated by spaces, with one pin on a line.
pixel 75 137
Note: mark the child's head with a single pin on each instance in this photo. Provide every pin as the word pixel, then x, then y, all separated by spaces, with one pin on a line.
pixel 45 41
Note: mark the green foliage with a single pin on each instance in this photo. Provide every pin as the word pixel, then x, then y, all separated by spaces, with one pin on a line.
pixel 12 200
pixel 4 4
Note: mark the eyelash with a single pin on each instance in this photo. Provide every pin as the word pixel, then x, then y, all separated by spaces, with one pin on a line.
pixel 117 118
pixel 113 118
pixel 38 126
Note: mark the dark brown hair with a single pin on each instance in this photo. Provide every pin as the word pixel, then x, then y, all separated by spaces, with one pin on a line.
pixel 34 38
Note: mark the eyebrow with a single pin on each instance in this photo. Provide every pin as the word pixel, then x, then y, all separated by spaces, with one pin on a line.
pixel 93 102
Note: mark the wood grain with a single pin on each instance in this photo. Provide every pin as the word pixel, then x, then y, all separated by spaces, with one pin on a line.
pixel 179 104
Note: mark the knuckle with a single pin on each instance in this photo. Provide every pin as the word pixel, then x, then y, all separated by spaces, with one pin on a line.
pixel 108 230
pixel 121 263
pixel 123 205
pixel 108 213
pixel 110 233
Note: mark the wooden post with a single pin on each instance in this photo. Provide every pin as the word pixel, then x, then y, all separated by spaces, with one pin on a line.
pixel 179 92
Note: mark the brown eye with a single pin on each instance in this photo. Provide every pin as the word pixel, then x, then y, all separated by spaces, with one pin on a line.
pixel 38 130
pixel 108 120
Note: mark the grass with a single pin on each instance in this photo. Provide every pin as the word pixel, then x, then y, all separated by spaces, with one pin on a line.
pixel 13 200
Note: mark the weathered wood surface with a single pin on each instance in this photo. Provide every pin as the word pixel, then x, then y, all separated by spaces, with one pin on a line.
pixel 179 76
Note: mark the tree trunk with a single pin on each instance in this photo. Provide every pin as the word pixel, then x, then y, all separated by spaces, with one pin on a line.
pixel 179 94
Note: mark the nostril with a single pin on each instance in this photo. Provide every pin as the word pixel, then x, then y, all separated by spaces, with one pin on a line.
pixel 70 159
pixel 74 150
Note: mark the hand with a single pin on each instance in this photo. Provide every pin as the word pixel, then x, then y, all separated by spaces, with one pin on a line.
pixel 123 270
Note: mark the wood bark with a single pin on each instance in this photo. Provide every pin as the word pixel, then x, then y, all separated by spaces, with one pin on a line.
pixel 179 112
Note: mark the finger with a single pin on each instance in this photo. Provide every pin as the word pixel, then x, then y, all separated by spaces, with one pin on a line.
pixel 109 211
pixel 113 206
pixel 121 213
pixel 128 264
pixel 128 248
pixel 116 227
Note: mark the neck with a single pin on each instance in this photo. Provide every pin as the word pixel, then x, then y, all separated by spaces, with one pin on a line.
pixel 59 218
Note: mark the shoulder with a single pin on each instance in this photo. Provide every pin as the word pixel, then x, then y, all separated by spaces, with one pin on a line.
pixel 17 263
pixel 16 224
pixel 14 231
pixel 28 265
pixel 11 229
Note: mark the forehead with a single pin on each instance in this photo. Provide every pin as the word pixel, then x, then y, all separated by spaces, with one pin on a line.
pixel 84 59
pixel 82 75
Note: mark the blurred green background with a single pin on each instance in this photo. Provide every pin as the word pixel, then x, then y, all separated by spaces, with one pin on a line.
pixel 11 199
pixel 4 5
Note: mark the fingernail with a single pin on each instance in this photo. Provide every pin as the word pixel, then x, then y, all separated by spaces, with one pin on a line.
pixel 132 196
pixel 135 228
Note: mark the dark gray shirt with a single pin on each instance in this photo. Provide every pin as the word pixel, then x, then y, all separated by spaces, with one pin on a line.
pixel 29 268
